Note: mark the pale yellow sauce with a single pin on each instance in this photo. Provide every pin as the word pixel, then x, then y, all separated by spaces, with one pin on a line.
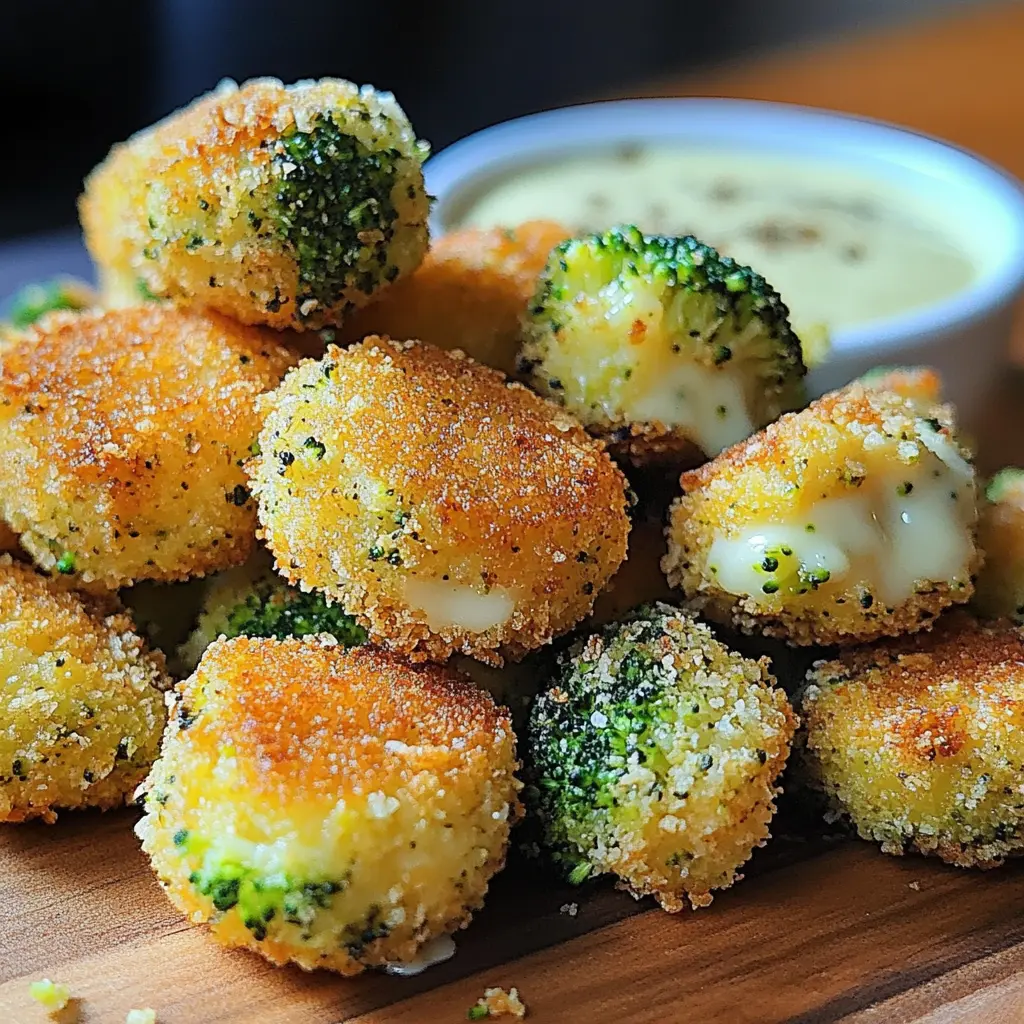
pixel 840 247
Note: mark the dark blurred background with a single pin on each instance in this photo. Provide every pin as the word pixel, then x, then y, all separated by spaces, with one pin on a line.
pixel 77 76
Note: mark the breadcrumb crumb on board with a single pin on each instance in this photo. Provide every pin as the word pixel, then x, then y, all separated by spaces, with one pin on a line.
pixel 496 1002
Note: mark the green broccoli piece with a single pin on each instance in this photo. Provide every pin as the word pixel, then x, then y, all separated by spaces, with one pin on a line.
pixel 271 903
pixel 663 339
pixel 34 301
pixel 653 756
pixel 255 601
pixel 333 208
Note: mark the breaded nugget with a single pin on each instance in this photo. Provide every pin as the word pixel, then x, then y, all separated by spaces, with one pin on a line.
pixel 999 590
pixel 469 293
pixel 335 808
pixel 124 435
pixel 851 520
pixel 660 345
pixel 253 600
pixel 82 713
pixel 653 756
pixel 287 206
pixel 919 742
pixel 449 511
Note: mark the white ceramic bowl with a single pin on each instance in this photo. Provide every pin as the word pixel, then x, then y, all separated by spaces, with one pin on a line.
pixel 964 336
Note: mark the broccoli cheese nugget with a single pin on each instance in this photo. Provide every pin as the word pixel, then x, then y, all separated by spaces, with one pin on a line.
pixel 82 712
pixel 124 435
pixel 449 511
pixel 667 349
pixel 336 808
pixel 287 206
pixel 470 293
pixel 654 756
pixel 999 591
pixel 851 520
pixel 919 742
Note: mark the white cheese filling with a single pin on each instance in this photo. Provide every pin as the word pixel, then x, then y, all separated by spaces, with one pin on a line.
pixel 454 605
pixel 903 531
pixel 708 404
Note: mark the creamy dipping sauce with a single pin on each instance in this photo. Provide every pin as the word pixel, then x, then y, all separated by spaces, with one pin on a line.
pixel 842 248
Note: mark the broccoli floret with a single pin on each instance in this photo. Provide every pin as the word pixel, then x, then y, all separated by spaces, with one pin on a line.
pixel 35 300
pixel 660 344
pixel 255 601
pixel 653 756
pixel 270 903
pixel 333 208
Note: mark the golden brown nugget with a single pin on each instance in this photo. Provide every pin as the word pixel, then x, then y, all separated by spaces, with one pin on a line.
pixel 335 808
pixel 846 522
pixel 81 712
pixel 470 293
pixel 447 510
pixel 919 742
pixel 124 435
pixel 280 205
pixel 999 591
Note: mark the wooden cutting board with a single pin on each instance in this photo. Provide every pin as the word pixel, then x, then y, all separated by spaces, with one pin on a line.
pixel 822 930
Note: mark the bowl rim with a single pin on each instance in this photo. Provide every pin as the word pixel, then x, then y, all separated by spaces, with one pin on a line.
pixel 524 139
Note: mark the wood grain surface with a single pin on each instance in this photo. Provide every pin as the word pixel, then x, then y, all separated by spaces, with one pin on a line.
pixel 822 930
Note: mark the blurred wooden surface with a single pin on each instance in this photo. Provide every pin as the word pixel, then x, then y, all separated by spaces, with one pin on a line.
pixel 820 931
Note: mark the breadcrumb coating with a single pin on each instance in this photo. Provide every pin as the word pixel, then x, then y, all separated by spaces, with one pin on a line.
pixel 469 293
pixel 999 590
pixel 851 520
pixel 449 511
pixel 82 713
pixel 124 435
pixel 334 808
pixel 918 741
pixel 654 756
pixel 280 205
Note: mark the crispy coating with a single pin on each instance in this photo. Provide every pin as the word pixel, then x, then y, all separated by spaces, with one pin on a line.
pixel 288 206
pixel 124 434
pixel 919 742
pixel 846 522
pixel 469 293
pixel 449 511
pixel 999 591
pixel 335 808
pixel 81 712
pixel 654 756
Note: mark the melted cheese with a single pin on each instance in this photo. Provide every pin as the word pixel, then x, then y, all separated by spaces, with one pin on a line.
pixel 447 605
pixel 887 537
pixel 436 951
pixel 707 404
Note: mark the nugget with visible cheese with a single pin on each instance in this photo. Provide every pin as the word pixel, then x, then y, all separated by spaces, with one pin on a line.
pixel 851 520
pixel 999 590
pixel 449 511
pixel 81 712
pixel 470 293
pixel 919 742
pixel 660 345
pixel 335 808
pixel 280 205
pixel 124 435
